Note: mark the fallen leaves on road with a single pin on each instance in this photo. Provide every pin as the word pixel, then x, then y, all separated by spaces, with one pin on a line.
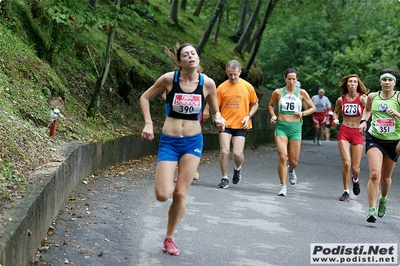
pixel 108 182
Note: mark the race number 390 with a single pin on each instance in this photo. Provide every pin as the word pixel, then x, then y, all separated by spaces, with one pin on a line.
pixel 186 103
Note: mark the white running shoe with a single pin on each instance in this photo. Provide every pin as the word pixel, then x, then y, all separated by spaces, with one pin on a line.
pixel 196 176
pixel 282 192
pixel 292 178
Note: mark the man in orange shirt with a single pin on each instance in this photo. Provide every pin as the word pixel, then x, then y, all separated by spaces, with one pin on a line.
pixel 238 102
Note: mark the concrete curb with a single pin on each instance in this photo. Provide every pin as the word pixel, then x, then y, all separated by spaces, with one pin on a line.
pixel 28 219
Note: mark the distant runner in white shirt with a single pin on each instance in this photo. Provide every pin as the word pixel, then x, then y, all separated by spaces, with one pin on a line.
pixel 322 104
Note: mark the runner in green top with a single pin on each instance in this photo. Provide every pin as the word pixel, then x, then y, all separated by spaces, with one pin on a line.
pixel 381 140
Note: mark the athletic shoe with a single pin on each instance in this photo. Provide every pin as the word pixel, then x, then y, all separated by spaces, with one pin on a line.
pixel 345 196
pixel 196 176
pixel 170 247
pixel 382 209
pixel 319 142
pixel 224 183
pixel 356 187
pixel 371 218
pixel 315 139
pixel 292 178
pixel 237 175
pixel 282 191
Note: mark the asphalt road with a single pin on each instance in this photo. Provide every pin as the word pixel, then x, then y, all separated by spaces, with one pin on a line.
pixel 113 217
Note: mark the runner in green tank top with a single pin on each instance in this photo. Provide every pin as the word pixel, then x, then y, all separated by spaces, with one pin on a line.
pixel 381 140
pixel 288 125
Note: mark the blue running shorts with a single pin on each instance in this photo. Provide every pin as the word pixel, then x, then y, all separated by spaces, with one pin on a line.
pixel 172 148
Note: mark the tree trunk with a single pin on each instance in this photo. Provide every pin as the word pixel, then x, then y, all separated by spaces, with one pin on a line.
pixel 219 19
pixel 173 17
pixel 243 17
pixel 249 28
pixel 92 3
pixel 242 22
pixel 198 9
pixel 95 102
pixel 208 30
pixel 126 3
pixel 183 4
pixel 253 39
pixel 252 57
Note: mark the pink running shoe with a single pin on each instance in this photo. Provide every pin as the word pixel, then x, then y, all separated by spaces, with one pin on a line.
pixel 170 247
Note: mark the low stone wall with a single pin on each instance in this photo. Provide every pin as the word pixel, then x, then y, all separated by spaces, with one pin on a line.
pixel 29 218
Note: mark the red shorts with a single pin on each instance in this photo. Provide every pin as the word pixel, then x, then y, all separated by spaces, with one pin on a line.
pixel 319 118
pixel 352 135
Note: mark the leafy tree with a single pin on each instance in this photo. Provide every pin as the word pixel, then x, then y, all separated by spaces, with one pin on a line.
pixel 64 24
pixel 95 101
pixel 119 15
pixel 64 21
pixel 344 37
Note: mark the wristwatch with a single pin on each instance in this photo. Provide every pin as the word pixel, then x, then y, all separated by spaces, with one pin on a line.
pixel 249 115
pixel 363 120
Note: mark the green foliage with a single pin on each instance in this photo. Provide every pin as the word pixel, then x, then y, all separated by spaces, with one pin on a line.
pixel 136 14
pixel 326 40
pixel 7 179
pixel 70 23
pixel 52 53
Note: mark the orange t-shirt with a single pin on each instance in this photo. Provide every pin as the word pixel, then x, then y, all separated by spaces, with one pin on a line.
pixel 234 101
